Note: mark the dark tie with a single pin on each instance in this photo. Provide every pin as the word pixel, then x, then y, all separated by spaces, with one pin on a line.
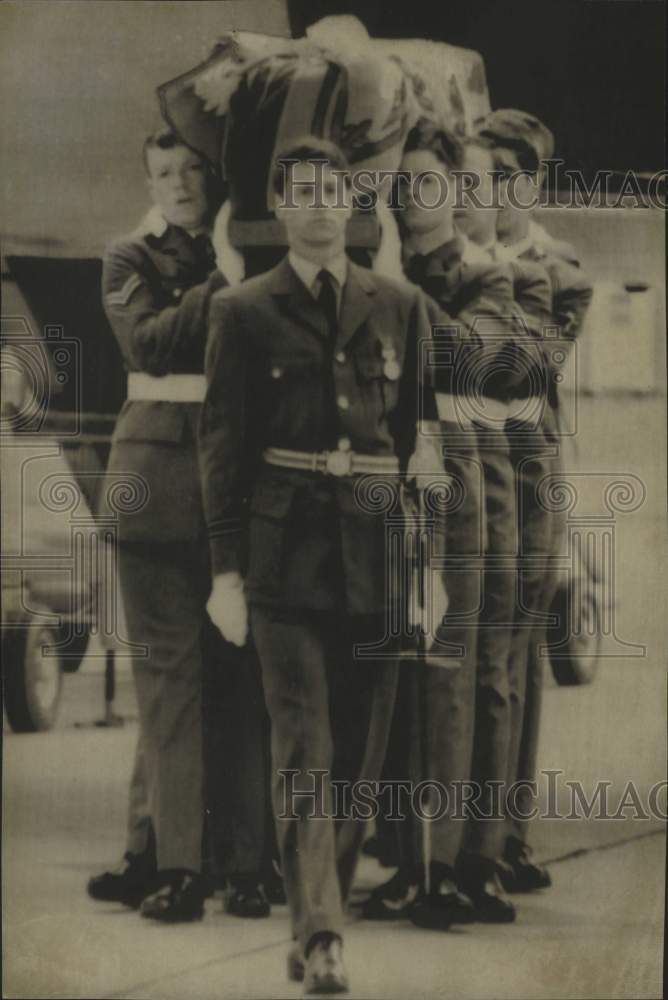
pixel 415 268
pixel 204 256
pixel 327 301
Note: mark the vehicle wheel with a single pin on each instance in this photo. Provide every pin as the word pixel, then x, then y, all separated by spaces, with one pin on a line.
pixel 74 650
pixel 575 660
pixel 32 681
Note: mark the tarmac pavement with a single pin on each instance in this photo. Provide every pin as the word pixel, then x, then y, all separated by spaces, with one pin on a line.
pixel 596 933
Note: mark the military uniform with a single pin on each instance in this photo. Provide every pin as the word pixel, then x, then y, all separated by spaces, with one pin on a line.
pixel 535 450
pixel 452 722
pixel 310 415
pixel 157 289
pixel 466 729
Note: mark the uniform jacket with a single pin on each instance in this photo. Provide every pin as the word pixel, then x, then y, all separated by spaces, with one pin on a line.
pixel 275 380
pixel 532 293
pixel 157 285
pixel 485 298
pixel 571 289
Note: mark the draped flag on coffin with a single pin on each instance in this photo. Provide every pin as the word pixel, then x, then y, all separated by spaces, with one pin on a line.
pixel 256 93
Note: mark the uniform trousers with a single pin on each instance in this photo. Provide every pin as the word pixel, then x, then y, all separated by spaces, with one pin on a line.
pixel 139 827
pixel 535 456
pixel 434 720
pixel 485 831
pixel 203 725
pixel 330 713
pixel 239 834
pixel 165 588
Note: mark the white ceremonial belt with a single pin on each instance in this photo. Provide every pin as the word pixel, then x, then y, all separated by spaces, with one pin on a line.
pixel 166 388
pixel 450 408
pixel 491 412
pixel 333 463
pixel 494 413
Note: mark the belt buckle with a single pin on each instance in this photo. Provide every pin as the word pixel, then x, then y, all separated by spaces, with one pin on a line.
pixel 339 463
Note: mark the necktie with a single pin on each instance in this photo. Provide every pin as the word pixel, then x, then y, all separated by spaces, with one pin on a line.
pixel 327 300
pixel 415 268
pixel 203 254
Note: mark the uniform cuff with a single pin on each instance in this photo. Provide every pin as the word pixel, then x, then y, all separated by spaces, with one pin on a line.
pixel 226 545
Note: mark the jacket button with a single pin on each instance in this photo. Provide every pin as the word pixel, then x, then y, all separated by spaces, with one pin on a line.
pixel 340 357
pixel 343 402
pixel 177 292
pixel 276 372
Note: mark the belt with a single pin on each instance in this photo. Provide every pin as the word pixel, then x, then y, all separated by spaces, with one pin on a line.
pixel 488 411
pixel 449 408
pixel 491 412
pixel 333 463
pixel 166 388
pixel 528 411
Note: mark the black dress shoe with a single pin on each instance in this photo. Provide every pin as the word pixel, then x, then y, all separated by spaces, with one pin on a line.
pixel 128 884
pixel 324 971
pixel 478 878
pixel 247 899
pixel 296 963
pixel 518 873
pixel 443 905
pixel 394 899
pixel 438 911
pixel 179 897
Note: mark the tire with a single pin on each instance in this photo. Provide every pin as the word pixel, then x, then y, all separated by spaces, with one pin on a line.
pixel 575 661
pixel 75 649
pixel 32 681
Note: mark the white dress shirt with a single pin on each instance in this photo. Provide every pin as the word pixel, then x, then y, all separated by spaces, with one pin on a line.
pixel 307 272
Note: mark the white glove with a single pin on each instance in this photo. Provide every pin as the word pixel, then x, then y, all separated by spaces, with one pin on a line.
pixel 387 260
pixel 227 607
pixel 425 465
pixel 439 601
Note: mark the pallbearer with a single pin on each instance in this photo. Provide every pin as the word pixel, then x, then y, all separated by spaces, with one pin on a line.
pixel 520 143
pixel 463 708
pixel 157 287
pixel 313 376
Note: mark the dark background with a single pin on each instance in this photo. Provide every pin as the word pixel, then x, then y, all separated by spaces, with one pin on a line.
pixel 592 70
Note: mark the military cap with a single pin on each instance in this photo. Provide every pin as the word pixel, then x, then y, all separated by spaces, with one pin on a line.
pixel 519 131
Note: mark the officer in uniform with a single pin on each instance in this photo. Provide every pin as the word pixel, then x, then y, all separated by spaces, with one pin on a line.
pixel 464 724
pixel 157 287
pixel 520 143
pixel 310 416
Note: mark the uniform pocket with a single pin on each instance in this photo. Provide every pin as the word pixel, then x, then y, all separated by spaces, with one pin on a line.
pixel 289 369
pixel 272 498
pixel 378 379
pixel 269 508
pixel 369 367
